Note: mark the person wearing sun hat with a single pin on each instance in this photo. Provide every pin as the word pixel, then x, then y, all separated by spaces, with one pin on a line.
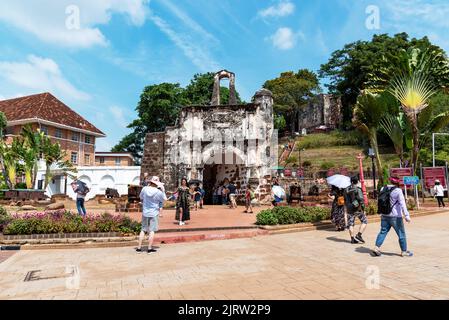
pixel 394 219
pixel 152 197
pixel 438 191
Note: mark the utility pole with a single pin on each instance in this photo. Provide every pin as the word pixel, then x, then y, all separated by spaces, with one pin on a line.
pixel 362 179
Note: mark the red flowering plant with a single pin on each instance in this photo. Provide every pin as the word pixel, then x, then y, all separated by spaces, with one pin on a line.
pixel 62 221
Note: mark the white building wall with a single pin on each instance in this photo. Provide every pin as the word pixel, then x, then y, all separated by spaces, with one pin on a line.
pixel 98 180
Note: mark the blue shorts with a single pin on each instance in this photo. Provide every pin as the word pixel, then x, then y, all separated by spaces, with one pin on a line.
pixel 150 224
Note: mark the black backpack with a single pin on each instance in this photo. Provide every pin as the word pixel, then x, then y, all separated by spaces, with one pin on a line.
pixel 352 203
pixel 384 201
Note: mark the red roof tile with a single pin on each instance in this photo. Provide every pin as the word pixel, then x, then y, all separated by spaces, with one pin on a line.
pixel 45 106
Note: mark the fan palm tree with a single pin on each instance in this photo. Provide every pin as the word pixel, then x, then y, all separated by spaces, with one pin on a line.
pixel 412 77
pixel 392 127
pixel 413 92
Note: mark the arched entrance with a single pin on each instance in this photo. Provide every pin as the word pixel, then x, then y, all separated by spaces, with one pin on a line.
pixel 214 173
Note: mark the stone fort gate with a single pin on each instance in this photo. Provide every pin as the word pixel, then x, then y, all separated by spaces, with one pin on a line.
pixel 216 141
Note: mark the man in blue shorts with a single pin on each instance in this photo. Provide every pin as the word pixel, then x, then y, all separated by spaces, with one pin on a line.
pixel 152 197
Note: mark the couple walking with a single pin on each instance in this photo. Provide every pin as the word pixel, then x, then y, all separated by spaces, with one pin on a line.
pixel 348 205
pixel 391 205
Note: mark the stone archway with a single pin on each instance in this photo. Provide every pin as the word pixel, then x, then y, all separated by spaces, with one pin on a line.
pixel 215 172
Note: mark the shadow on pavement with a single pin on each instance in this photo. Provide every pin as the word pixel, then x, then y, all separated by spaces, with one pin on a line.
pixel 338 239
pixel 370 252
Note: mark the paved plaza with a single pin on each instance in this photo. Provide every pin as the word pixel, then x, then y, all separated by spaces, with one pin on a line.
pixel 307 265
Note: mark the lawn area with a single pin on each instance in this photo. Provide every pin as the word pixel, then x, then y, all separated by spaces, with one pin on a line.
pixel 337 149
pixel 340 156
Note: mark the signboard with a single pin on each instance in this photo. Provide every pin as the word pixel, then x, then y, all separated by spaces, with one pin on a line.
pixel 411 181
pixel 432 174
pixel 401 173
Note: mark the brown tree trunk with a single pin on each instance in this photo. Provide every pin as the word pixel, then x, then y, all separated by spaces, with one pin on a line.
pixel 415 134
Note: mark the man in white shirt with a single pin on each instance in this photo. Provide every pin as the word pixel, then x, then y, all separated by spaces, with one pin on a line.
pixel 152 198
pixel 438 191
pixel 394 219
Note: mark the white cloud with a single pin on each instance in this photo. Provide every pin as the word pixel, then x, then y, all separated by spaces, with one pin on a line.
pixel 434 13
pixel 119 116
pixel 282 9
pixel 39 74
pixel 198 54
pixel 46 19
pixel 188 21
pixel 285 38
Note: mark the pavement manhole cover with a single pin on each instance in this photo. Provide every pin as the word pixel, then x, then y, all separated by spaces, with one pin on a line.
pixel 54 273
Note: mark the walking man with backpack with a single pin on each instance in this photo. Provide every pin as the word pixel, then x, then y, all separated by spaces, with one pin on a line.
pixel 391 205
pixel 355 206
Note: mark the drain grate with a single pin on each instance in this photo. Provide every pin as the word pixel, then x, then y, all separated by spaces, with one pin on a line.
pixel 49 274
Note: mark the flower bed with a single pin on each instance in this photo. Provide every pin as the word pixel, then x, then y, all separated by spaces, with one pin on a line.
pixel 289 215
pixel 62 221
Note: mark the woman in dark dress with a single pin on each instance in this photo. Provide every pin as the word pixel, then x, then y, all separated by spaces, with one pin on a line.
pixel 338 216
pixel 183 203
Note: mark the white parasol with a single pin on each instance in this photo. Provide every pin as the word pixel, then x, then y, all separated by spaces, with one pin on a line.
pixel 340 181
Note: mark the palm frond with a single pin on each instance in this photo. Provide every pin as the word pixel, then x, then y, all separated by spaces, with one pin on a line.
pixel 413 91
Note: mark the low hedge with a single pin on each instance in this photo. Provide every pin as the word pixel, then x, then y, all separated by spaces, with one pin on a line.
pixel 66 222
pixel 289 215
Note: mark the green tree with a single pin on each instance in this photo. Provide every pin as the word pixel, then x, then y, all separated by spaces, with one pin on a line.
pixel 158 108
pixel 3 123
pixel 413 76
pixel 52 154
pixel 291 92
pixel 279 122
pixel 10 160
pixel 200 89
pixel 351 68
pixel 368 114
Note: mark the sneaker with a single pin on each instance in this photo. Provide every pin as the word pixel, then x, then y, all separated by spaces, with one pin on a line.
pixel 150 251
pixel 181 223
pixel 354 241
pixel 376 253
pixel 139 250
pixel 359 238
pixel 407 254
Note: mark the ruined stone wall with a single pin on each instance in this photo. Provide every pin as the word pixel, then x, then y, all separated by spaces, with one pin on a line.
pixel 326 110
pixel 153 155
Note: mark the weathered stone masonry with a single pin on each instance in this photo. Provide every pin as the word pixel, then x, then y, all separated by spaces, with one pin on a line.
pixel 214 142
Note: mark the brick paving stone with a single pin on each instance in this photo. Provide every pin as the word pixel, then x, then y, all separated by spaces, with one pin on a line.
pixel 307 265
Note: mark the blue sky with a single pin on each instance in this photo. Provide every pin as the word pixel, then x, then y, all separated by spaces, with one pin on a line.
pixel 98 64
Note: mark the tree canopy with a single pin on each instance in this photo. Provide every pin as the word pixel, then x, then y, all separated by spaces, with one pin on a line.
pixel 159 107
pixel 350 69
pixel 292 91
pixel 3 123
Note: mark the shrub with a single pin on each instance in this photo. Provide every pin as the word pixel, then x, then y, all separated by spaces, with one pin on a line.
pixel 67 222
pixel 266 218
pixel 21 185
pixel 371 209
pixel 307 163
pixel 327 165
pixel 289 215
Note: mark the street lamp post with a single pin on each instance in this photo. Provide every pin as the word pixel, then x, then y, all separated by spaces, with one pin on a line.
pixel 362 179
pixel 372 155
pixel 433 143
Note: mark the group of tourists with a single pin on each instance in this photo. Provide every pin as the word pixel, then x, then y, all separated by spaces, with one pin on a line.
pixel 226 194
pixel 349 205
